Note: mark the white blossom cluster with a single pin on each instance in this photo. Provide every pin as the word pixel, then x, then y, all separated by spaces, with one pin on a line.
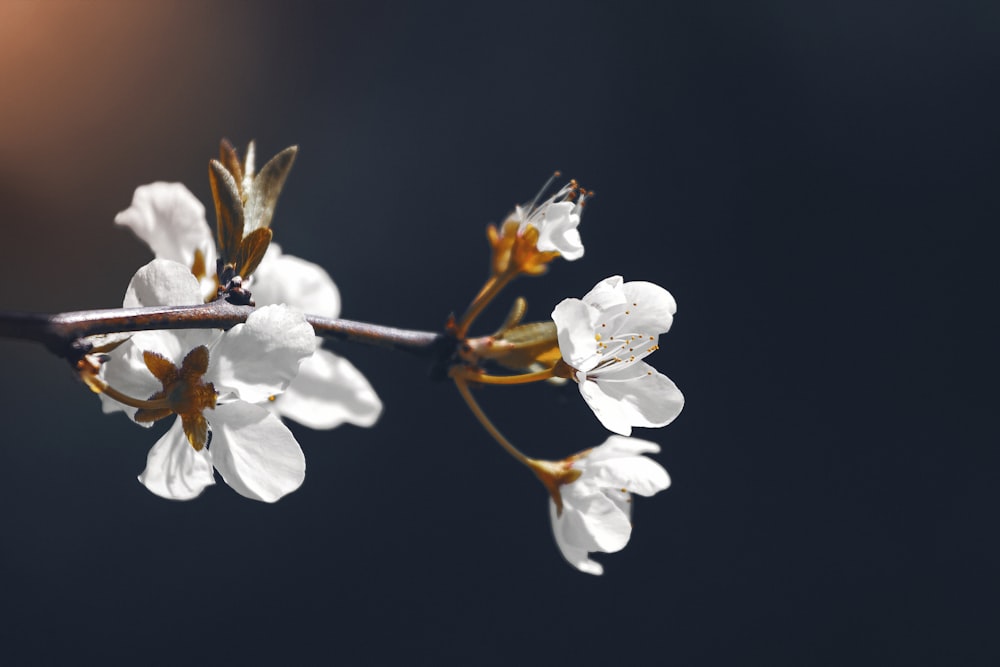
pixel 270 368
pixel 230 390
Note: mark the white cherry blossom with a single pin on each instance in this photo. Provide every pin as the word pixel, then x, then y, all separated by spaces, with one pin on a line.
pixel 245 442
pixel 604 338
pixel 171 221
pixel 597 506
pixel 329 390
pixel 556 220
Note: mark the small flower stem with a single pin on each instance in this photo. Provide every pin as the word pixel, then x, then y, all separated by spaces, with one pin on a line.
pixel 473 375
pixel 59 332
pixel 489 291
pixel 463 389
pixel 125 399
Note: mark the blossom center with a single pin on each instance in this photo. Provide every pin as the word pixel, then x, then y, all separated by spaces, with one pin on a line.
pixel 534 214
pixel 187 395
pixel 622 347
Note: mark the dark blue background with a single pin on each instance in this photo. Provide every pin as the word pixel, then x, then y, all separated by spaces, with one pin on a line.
pixel 814 182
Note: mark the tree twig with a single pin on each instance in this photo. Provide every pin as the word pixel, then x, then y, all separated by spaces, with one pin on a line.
pixel 62 332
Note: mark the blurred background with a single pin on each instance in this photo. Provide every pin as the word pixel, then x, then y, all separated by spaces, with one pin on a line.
pixel 814 182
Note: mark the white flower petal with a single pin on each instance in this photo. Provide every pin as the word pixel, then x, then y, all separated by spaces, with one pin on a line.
pixel 617 446
pixel 296 282
pixel 174 469
pixel 327 392
pixel 162 282
pixel 621 499
pixel 574 555
pixel 557 230
pixel 607 409
pixel 594 522
pixel 636 474
pixel 576 323
pixel 254 452
pixel 259 358
pixel 171 221
pixel 632 395
pixel 606 294
pixel 126 371
pixel 651 308
pixel 569 243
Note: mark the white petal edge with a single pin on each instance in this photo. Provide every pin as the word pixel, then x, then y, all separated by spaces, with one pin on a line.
pixel 606 294
pixel 174 470
pixel 254 452
pixel 593 521
pixel 653 307
pixel 609 411
pixel 296 282
pixel 616 446
pixel 644 396
pixel 575 556
pixel 162 282
pixel 259 358
pixel 571 245
pixel 636 474
pixel 576 324
pixel 557 230
pixel 171 221
pixel 125 371
pixel 327 392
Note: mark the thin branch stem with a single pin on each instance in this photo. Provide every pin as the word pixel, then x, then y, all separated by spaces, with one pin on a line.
pixel 424 343
pixel 60 331
pixel 463 389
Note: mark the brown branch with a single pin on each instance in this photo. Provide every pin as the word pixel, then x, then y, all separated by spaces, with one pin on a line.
pixel 62 332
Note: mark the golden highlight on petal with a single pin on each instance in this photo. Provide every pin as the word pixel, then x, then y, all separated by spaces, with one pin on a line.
pixel 198 268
